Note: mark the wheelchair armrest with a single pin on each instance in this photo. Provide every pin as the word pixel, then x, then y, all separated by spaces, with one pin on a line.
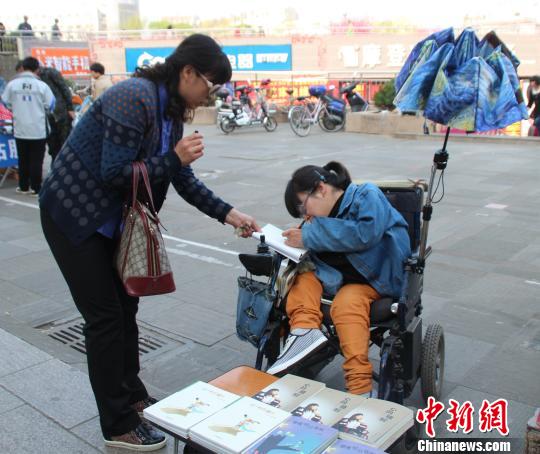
pixel 258 264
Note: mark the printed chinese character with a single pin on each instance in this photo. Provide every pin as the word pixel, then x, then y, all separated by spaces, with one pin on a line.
pixel 49 62
pixel 85 64
pixel 232 60
pixel 430 414
pixel 58 63
pixel 66 63
pixel 371 55
pixel 12 147
pixel 396 54
pixel 494 416
pixel 349 55
pixel 75 62
pixel 460 416
pixel 245 61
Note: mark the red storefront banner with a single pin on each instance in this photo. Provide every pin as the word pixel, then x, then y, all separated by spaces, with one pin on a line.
pixel 69 61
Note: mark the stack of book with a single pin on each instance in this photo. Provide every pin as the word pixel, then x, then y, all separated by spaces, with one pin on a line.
pixel 292 414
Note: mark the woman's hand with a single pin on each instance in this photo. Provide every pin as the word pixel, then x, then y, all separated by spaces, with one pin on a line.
pixel 242 221
pixel 190 148
pixel 293 237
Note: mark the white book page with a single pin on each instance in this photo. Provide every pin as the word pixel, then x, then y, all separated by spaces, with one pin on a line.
pixel 274 239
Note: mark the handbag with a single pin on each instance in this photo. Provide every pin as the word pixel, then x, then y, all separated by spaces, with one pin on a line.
pixel 255 301
pixel 141 259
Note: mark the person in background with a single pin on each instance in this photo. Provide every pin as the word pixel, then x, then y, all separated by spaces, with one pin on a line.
pixel 59 120
pixel 30 99
pixel 25 28
pixel 55 30
pixel 140 119
pixel 533 97
pixel 100 82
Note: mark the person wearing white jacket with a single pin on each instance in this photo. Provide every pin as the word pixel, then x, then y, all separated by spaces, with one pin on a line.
pixel 30 99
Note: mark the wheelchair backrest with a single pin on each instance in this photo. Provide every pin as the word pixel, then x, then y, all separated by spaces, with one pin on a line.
pixel 409 202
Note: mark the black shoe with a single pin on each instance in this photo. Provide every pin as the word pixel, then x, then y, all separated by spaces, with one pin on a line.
pixel 138 439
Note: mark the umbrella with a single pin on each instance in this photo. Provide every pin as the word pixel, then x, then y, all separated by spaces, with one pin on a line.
pixel 467 83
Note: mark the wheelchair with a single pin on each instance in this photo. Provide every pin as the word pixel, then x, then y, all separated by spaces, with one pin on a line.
pixel 395 324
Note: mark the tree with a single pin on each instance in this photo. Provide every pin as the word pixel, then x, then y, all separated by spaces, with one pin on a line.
pixel 385 96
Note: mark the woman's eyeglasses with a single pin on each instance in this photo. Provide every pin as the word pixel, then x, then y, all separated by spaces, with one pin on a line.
pixel 301 208
pixel 212 88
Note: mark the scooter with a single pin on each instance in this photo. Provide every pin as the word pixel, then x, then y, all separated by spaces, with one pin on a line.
pixel 356 102
pixel 243 113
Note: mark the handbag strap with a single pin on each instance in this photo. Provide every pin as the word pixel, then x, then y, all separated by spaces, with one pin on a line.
pixel 139 169
pixel 135 183
pixel 148 187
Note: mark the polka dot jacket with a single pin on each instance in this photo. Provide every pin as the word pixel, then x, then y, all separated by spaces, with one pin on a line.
pixel 91 176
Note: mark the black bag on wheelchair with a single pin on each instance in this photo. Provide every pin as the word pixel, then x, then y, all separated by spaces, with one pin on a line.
pixel 255 301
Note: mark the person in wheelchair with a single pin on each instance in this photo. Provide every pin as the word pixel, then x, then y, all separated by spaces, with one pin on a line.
pixel 358 243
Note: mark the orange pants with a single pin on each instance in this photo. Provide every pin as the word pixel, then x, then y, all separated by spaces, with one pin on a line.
pixel 350 314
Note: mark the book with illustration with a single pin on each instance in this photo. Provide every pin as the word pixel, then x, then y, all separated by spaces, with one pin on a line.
pixel 187 407
pixel 351 447
pixel 295 435
pixel 274 239
pixel 288 392
pixel 374 422
pixel 238 426
pixel 327 406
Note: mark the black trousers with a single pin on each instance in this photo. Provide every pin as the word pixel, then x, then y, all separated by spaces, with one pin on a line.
pixel 31 153
pixel 111 332
pixel 60 130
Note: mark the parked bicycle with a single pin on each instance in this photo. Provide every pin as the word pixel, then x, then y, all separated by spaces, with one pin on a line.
pixel 328 112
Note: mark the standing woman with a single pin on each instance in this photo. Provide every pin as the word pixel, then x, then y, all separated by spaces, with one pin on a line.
pixel 140 119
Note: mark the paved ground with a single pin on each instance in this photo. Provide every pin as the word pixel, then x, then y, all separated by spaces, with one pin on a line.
pixel 482 282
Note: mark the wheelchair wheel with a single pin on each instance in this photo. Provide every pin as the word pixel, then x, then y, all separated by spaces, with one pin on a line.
pixel 408 443
pixel 432 364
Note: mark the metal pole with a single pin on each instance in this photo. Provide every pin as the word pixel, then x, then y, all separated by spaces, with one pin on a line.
pixel 440 160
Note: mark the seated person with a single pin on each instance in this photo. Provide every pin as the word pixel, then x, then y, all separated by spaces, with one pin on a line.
pixel 358 243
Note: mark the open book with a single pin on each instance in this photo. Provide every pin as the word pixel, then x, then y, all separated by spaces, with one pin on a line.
pixel 272 237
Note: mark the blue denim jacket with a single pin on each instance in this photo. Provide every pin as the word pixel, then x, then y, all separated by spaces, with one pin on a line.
pixel 371 233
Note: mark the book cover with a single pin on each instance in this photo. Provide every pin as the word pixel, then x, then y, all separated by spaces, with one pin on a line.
pixel 328 406
pixel 375 422
pixel 295 435
pixel 238 426
pixel 187 407
pixel 351 447
pixel 274 239
pixel 288 392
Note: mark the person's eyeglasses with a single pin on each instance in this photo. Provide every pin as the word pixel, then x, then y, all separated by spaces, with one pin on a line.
pixel 301 208
pixel 212 88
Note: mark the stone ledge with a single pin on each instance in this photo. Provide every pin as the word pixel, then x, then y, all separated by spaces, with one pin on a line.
pixel 383 123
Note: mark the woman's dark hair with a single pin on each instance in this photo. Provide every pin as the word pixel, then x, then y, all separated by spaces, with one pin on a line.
pixel 199 51
pixel 307 178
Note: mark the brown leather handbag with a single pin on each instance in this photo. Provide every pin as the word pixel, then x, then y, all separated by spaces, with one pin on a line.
pixel 141 259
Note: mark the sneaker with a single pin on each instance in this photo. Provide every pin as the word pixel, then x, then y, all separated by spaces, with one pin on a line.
pixel 298 345
pixel 138 439
pixel 20 191
pixel 33 193
pixel 142 404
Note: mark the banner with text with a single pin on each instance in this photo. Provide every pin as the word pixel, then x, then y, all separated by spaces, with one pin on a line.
pixel 69 61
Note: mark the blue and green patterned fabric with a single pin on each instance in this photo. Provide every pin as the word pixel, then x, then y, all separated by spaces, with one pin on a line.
pixel 465 83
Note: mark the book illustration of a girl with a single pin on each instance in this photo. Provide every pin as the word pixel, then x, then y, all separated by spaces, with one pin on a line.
pixel 310 412
pixel 354 425
pixel 194 407
pixel 270 397
pixel 242 426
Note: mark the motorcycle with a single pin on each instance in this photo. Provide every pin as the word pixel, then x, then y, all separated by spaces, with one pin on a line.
pixel 243 113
